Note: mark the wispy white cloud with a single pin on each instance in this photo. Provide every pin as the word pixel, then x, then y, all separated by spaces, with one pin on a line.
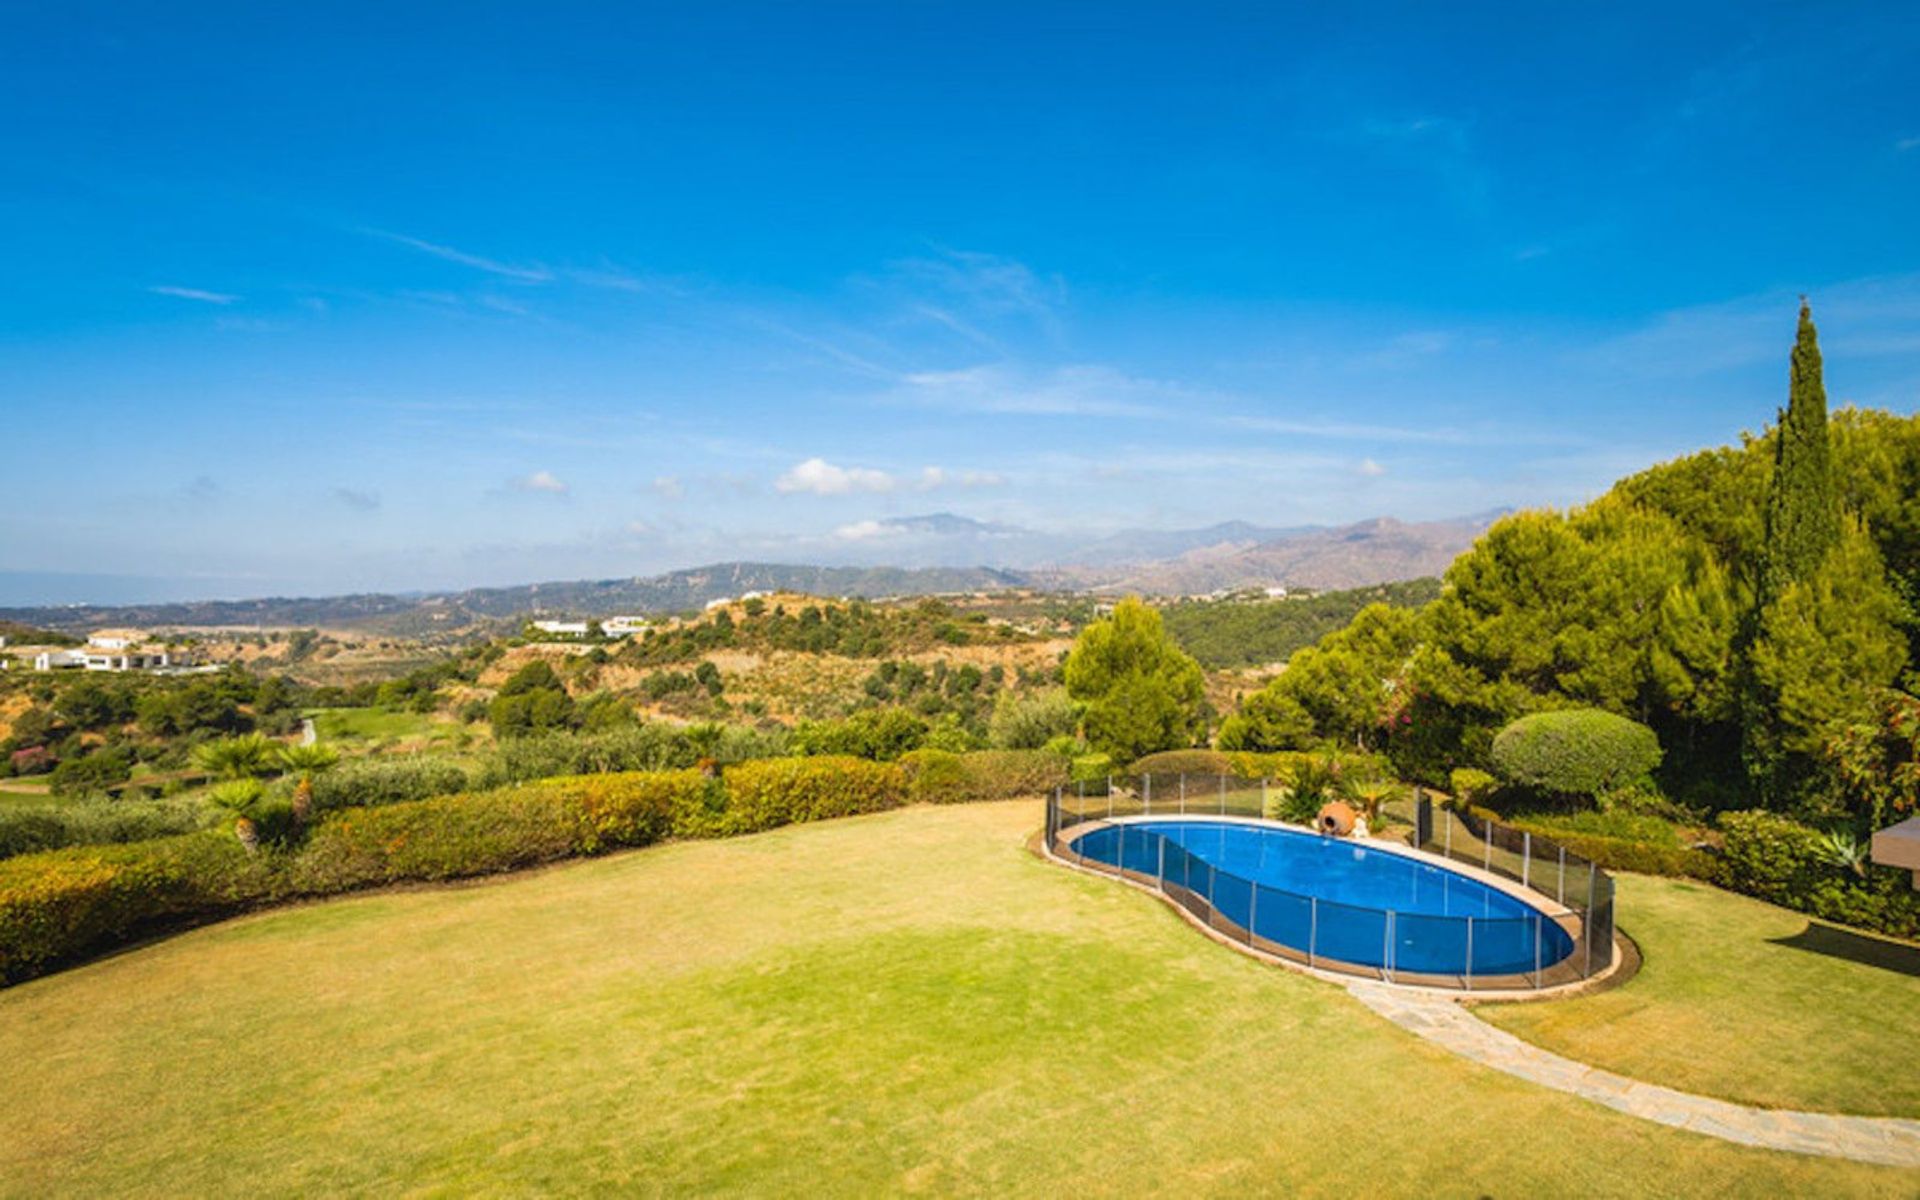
pixel 1369 469
pixel 668 487
pixel 818 477
pixel 1860 317
pixel 1907 143
pixel 540 481
pixel 189 293
pixel 356 500
pixel 861 364
pixel 990 284
pixel 935 478
pixel 534 273
pixel 1082 390
pixel 866 531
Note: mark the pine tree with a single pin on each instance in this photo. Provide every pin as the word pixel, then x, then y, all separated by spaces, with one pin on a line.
pixel 1803 511
pixel 1143 693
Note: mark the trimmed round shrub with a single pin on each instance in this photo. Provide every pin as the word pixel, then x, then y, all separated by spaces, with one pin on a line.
pixel 1575 752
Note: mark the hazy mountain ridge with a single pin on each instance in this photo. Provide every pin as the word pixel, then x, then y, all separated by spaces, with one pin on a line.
pixel 1229 555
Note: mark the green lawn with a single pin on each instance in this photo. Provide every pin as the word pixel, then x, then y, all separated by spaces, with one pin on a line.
pixel 1747 1001
pixel 380 725
pixel 30 797
pixel 907 1002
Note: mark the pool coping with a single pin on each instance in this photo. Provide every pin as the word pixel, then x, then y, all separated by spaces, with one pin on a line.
pixel 1624 954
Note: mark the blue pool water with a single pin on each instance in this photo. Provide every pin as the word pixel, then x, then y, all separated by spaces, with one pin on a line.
pixel 1333 897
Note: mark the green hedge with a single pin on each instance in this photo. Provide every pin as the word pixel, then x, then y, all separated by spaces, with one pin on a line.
pixel 1575 752
pixel 1787 863
pixel 1183 762
pixel 64 903
pixel 58 905
pixel 1620 854
pixel 27 829
pixel 779 791
pixel 942 777
pixel 1283 765
pixel 361 783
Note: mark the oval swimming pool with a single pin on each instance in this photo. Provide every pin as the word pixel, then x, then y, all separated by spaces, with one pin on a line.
pixel 1339 900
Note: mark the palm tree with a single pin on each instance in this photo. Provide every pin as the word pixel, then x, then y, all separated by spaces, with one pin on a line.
pixel 1370 794
pixel 241 797
pixel 306 761
pixel 704 738
pixel 235 758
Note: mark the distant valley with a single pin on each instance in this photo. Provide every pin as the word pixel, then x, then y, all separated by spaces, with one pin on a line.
pixel 1226 556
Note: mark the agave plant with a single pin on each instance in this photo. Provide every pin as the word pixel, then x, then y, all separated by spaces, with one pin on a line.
pixel 241 797
pixel 1841 848
pixel 235 758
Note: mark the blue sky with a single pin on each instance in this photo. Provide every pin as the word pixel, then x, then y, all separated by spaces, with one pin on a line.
pixel 403 296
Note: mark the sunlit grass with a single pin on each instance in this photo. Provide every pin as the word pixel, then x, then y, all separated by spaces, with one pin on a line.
pixel 1747 1001
pixel 908 1002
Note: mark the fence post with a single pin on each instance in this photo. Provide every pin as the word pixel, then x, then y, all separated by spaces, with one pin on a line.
pixel 1313 927
pixel 1386 948
pixel 1487 863
pixel 1163 862
pixel 1586 920
pixel 1183 792
pixel 1147 793
pixel 1447 849
pixel 1560 889
pixel 1469 953
pixel 1536 951
pixel 1109 805
pixel 1253 908
pixel 1265 804
pixel 1223 795
pixel 1526 858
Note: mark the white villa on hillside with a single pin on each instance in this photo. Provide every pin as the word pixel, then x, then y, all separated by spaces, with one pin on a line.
pixel 571 628
pixel 110 650
pixel 624 626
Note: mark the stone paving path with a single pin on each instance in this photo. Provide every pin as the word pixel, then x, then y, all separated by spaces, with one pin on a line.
pixel 1887 1140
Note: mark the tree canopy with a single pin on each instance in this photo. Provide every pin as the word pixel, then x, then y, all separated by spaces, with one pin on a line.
pixel 1748 604
pixel 1142 693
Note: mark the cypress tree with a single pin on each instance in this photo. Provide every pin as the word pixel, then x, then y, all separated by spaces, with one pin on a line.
pixel 1803 510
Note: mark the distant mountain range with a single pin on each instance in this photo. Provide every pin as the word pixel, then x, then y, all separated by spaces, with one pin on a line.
pixel 1233 554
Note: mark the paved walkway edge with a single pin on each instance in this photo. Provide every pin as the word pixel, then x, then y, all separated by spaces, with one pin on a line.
pixel 1889 1141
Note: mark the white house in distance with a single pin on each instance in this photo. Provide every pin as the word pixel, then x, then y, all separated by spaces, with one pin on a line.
pixel 623 626
pixel 109 650
pixel 570 628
